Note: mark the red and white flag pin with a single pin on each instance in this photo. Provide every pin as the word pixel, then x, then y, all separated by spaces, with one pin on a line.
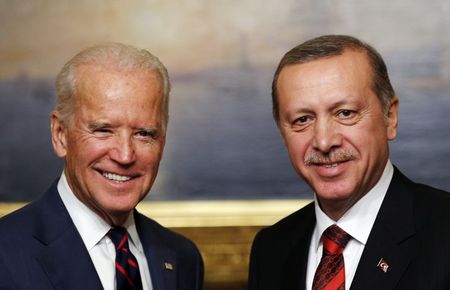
pixel 383 265
pixel 168 266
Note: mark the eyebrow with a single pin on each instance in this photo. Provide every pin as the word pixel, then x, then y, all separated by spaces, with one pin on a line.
pixel 332 106
pixel 98 125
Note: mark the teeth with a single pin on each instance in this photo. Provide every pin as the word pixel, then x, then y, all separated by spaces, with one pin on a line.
pixel 116 177
pixel 330 165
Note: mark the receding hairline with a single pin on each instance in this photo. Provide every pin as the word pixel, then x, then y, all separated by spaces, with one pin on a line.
pixel 291 61
pixel 113 68
pixel 102 69
pixel 109 56
pixel 344 51
pixel 329 46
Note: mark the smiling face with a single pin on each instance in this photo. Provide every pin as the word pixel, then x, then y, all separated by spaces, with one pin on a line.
pixel 113 143
pixel 334 127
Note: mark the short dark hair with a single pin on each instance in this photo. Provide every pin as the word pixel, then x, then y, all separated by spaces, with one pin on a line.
pixel 333 45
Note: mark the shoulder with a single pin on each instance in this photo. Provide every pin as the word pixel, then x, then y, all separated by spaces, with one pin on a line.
pixel 430 235
pixel 18 222
pixel 170 238
pixel 31 216
pixel 288 229
pixel 430 206
pixel 426 199
pixel 431 194
pixel 158 238
pixel 282 246
pixel 433 203
pixel 16 232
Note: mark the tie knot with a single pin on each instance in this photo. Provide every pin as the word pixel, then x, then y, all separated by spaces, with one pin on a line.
pixel 119 237
pixel 334 240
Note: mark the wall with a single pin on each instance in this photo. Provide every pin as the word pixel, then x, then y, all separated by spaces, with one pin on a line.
pixel 221 54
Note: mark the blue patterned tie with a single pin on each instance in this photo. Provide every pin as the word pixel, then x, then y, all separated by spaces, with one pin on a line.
pixel 127 268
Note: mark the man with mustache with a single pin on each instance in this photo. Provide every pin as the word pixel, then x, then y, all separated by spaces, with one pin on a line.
pixel 369 227
pixel 109 126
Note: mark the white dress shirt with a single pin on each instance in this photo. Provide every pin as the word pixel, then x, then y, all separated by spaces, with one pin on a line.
pixel 93 230
pixel 357 221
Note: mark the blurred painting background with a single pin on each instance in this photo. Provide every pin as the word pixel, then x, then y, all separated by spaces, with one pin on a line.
pixel 221 54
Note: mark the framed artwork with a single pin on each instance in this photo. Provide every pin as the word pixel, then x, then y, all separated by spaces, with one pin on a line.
pixel 225 172
pixel 222 143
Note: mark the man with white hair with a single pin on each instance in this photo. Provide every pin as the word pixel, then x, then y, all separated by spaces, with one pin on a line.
pixel 109 126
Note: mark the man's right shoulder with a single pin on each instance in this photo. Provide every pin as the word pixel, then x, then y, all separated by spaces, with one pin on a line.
pixel 18 221
pixel 288 228
pixel 24 220
pixel 284 243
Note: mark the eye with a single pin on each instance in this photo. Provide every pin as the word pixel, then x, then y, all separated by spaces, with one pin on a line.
pixel 147 134
pixel 345 114
pixel 348 117
pixel 101 131
pixel 303 120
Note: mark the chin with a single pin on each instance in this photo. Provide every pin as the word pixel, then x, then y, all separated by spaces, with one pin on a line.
pixel 334 192
pixel 120 205
pixel 120 213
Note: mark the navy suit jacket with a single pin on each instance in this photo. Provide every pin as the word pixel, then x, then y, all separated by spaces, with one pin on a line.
pixel 411 233
pixel 40 249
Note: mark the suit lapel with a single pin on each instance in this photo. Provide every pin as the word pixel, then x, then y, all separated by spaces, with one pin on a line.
pixel 390 240
pixel 63 256
pixel 161 260
pixel 294 271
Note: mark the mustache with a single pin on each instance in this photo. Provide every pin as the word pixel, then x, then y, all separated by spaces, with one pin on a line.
pixel 317 158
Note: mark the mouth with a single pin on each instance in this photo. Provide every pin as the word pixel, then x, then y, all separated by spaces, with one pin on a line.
pixel 116 177
pixel 331 169
pixel 329 165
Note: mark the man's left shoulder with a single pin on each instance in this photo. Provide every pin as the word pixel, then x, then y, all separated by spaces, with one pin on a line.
pixel 432 192
pixel 170 238
pixel 424 196
pixel 155 237
pixel 431 201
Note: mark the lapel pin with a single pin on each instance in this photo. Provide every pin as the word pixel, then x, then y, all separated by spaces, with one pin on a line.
pixel 168 266
pixel 383 265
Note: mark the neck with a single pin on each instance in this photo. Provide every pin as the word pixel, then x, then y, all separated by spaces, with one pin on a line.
pixel 115 219
pixel 336 209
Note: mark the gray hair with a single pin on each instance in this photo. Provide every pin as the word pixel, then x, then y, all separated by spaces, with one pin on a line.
pixel 333 45
pixel 118 55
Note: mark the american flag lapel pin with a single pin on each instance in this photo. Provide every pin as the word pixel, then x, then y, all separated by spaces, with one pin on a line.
pixel 168 266
pixel 383 265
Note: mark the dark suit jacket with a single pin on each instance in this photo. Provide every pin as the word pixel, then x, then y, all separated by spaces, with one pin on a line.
pixel 40 249
pixel 411 233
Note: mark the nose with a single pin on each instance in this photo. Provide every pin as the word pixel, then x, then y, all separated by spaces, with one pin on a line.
pixel 326 136
pixel 123 151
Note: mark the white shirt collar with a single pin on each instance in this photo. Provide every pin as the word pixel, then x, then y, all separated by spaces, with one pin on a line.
pixel 92 227
pixel 130 225
pixel 359 219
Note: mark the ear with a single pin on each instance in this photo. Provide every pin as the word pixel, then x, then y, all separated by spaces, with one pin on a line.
pixel 392 119
pixel 59 138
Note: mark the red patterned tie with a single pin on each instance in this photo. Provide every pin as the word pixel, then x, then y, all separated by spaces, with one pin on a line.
pixel 330 274
pixel 127 269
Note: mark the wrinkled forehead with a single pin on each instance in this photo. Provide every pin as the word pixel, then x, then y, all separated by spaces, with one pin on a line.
pixel 99 84
pixel 351 68
pixel 95 75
